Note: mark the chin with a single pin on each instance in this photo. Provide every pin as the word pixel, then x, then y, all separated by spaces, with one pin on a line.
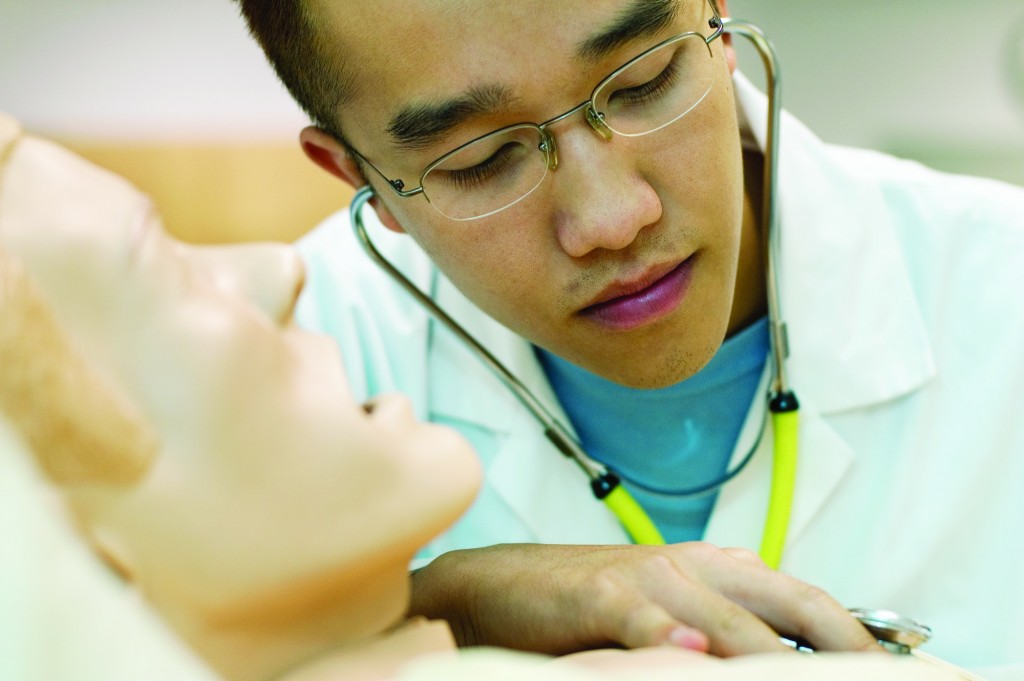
pixel 662 370
pixel 454 492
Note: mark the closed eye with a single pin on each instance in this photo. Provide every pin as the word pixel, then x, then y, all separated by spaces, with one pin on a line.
pixel 649 91
pixel 480 174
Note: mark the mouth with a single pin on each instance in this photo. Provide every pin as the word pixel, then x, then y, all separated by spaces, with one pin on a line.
pixel 631 304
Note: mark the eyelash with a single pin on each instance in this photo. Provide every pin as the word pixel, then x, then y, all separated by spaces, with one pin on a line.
pixel 642 94
pixel 467 178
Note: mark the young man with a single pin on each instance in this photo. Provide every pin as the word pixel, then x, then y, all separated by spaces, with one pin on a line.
pixel 608 280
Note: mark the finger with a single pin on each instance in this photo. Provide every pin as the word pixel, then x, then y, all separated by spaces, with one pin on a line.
pixel 661 593
pixel 731 628
pixel 745 555
pixel 792 607
pixel 632 621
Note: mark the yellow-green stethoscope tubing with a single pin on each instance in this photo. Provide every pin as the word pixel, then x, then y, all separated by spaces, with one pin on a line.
pixel 785 448
pixel 782 402
pixel 785 434
pixel 631 515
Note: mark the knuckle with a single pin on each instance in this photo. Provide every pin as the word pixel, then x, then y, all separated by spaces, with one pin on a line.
pixel 659 566
pixel 731 619
pixel 814 603
pixel 698 554
pixel 816 599
pixel 702 549
pixel 814 596
pixel 603 592
pixel 744 555
pixel 634 624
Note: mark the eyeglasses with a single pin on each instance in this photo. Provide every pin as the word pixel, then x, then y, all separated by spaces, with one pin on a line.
pixel 498 170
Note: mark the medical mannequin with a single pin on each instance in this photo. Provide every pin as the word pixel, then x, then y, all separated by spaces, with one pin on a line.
pixel 214 457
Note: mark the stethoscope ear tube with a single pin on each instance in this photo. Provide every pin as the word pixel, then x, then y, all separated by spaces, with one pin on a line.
pixel 606 485
pixel 899 634
pixel 782 401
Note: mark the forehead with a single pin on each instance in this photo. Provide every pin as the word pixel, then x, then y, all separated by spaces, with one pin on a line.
pixel 398 53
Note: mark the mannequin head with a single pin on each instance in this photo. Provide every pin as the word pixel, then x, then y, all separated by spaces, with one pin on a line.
pixel 222 427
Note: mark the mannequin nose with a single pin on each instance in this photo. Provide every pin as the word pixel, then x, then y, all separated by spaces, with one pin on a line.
pixel 270 275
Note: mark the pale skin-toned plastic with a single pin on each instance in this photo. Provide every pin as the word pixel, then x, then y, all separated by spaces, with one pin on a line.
pixel 241 525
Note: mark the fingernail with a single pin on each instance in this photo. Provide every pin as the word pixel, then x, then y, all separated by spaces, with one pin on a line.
pixel 690 639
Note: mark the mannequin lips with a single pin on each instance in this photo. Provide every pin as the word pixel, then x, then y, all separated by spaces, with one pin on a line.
pixel 629 305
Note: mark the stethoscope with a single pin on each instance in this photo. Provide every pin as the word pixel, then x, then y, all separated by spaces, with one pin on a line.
pixel 782 402
pixel 897 633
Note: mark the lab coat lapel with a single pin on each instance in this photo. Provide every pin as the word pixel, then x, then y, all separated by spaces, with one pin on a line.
pixel 544 488
pixel 741 507
pixel 838 257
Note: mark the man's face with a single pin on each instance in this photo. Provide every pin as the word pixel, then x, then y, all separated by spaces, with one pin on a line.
pixel 624 259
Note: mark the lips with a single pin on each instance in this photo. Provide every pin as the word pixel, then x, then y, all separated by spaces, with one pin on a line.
pixel 631 304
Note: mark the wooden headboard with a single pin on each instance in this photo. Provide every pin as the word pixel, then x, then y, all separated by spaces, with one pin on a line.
pixel 220 193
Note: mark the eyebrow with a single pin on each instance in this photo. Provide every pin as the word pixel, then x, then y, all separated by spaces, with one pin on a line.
pixel 642 19
pixel 419 125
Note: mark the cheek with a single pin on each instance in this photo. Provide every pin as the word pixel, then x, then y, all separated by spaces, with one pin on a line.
pixel 497 263
pixel 699 164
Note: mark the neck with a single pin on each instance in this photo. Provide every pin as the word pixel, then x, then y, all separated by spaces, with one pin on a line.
pixel 750 301
pixel 382 657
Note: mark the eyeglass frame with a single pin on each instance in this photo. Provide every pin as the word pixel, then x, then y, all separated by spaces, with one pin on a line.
pixel 548 146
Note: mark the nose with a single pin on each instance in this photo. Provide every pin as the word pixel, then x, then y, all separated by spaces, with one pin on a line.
pixel 603 200
pixel 270 275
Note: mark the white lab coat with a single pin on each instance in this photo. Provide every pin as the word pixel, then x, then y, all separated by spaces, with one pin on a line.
pixel 901 289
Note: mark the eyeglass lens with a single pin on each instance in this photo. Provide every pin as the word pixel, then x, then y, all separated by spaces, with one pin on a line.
pixel 500 169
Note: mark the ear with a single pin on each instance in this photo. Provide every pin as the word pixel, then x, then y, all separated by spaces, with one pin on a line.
pixel 730 50
pixel 324 150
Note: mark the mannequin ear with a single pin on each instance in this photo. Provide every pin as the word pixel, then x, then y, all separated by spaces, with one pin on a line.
pixel 730 50
pixel 324 150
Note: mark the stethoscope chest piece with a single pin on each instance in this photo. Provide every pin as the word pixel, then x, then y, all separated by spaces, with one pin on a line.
pixel 895 633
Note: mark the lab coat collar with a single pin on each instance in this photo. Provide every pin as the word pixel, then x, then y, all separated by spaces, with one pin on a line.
pixel 856 335
pixel 741 507
pixel 545 489
pixel 839 257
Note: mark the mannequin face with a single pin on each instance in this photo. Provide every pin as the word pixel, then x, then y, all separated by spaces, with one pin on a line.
pixel 274 497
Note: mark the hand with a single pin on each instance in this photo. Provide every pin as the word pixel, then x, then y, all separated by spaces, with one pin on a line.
pixel 562 599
